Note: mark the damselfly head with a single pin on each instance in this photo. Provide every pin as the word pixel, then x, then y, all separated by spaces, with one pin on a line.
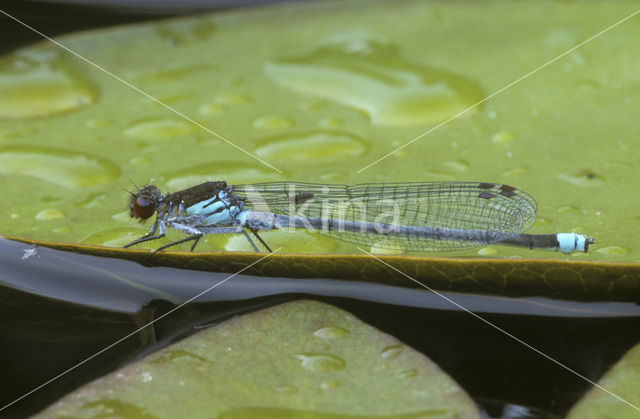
pixel 143 204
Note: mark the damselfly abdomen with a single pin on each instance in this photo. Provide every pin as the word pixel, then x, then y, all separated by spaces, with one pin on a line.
pixel 412 217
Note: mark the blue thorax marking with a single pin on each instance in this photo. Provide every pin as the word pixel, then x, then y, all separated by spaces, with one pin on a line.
pixel 218 210
pixel 210 204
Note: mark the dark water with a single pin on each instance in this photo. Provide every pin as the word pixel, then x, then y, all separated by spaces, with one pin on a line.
pixel 57 309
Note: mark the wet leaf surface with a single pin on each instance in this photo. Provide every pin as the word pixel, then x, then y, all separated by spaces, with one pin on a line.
pixel 320 98
pixel 302 359
pixel 623 381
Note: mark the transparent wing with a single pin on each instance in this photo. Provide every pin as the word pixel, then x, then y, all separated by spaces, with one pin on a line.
pixel 451 205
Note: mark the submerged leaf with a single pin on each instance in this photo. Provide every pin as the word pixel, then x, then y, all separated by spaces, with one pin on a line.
pixel 623 381
pixel 300 360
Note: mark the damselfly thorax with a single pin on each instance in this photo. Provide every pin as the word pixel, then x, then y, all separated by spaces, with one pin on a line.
pixel 422 217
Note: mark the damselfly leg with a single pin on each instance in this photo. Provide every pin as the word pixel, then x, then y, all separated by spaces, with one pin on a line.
pixel 196 238
pixel 255 233
pixel 236 230
pixel 150 235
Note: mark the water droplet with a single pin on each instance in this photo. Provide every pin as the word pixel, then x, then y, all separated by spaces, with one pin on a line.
pixel 14 216
pixel 118 237
pixel 233 99
pixel 272 121
pixel 159 128
pixel 488 251
pixel 139 161
pixel 408 373
pixel 209 109
pixel 297 241
pixel 371 76
pixel 542 222
pixel 392 351
pixel 50 199
pixel 331 122
pixel 503 137
pixel 171 99
pixel 122 216
pixel 589 86
pixel 109 407
pixel 313 105
pixel 40 84
pixel 492 114
pixel 329 385
pixel 238 172
pixel 566 209
pixel 516 171
pixel 65 168
pixel 457 166
pixel 583 179
pixel 49 214
pixel 613 251
pixel 169 74
pixel 98 123
pixel 560 37
pixel 313 145
pixel 92 200
pixel 172 355
pixel 382 249
pixel 331 332
pixel 321 362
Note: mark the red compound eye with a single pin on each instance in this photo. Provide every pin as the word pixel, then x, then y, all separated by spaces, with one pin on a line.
pixel 142 208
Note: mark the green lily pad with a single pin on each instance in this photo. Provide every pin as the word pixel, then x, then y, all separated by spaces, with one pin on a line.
pixel 302 359
pixel 623 380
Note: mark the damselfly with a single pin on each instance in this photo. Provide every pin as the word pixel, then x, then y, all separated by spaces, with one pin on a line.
pixel 422 217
